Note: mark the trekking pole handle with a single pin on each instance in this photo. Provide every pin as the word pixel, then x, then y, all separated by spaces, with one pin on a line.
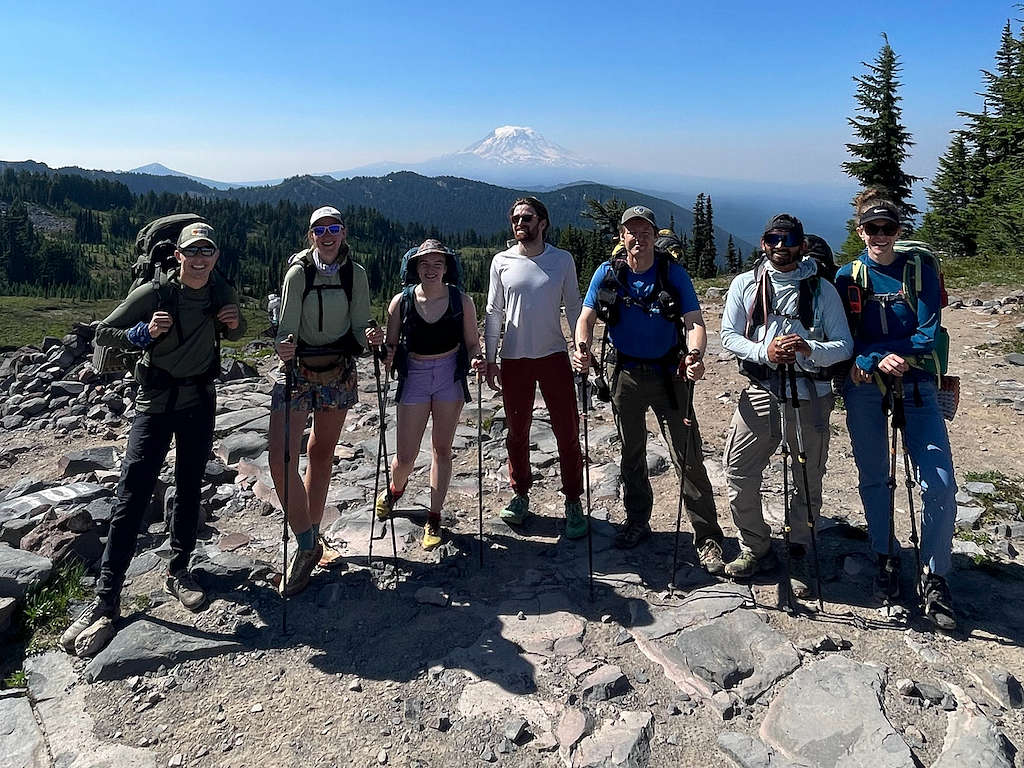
pixel 381 351
pixel 791 374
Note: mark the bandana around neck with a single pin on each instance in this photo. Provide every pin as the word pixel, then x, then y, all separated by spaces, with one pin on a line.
pixel 327 269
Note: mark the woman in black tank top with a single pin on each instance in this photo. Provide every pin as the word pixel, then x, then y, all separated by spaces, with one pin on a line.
pixel 433 327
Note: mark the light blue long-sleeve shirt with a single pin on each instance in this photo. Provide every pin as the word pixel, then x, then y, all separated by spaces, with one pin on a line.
pixel 829 337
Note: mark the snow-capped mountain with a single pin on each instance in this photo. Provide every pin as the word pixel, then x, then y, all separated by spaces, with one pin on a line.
pixel 519 145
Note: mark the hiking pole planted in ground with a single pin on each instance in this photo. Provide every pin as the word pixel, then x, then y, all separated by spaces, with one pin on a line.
pixel 480 460
pixel 802 459
pixel 289 383
pixel 786 527
pixel 891 562
pixel 688 423
pixel 585 405
pixel 382 453
pixel 899 420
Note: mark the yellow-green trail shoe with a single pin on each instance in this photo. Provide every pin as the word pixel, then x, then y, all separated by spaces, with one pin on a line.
pixel 575 520
pixel 517 510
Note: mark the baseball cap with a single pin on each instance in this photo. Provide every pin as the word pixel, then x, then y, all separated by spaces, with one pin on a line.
pixel 785 222
pixel 193 233
pixel 639 212
pixel 879 213
pixel 324 212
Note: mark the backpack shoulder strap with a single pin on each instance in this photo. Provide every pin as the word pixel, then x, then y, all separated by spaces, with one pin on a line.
pixel 455 302
pixel 861 274
pixel 912 280
pixel 810 289
pixel 763 294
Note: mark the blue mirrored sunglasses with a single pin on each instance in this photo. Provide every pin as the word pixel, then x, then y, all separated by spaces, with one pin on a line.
pixel 785 239
pixel 319 231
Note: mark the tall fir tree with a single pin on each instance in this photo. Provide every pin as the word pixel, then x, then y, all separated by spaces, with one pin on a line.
pixel 949 223
pixel 732 257
pixel 699 234
pixel 707 266
pixel 883 140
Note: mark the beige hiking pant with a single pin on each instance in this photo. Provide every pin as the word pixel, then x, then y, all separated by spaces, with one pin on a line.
pixel 754 435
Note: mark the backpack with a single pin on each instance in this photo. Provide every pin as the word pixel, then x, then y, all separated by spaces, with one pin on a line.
pixel 407 313
pixel 820 251
pixel 155 263
pixel 347 344
pixel 764 298
pixel 860 294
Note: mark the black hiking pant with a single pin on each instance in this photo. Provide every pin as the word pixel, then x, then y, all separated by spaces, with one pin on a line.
pixel 148 444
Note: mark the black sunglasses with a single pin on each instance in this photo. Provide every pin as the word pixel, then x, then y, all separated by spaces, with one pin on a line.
pixel 525 217
pixel 888 229
pixel 319 231
pixel 785 239
pixel 196 250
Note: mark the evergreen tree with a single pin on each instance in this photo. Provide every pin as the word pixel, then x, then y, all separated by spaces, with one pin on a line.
pixel 949 223
pixel 883 140
pixel 707 264
pixel 732 257
pixel 699 236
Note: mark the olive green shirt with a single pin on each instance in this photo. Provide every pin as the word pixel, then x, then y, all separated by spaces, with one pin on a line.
pixel 188 348
pixel 303 320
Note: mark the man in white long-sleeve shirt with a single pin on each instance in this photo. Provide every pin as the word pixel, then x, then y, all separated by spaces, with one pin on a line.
pixel 530 283
pixel 777 314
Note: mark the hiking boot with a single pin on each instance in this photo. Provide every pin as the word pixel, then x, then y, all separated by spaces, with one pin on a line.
pixel 800 576
pixel 632 533
pixel 887 579
pixel 747 564
pixel 301 568
pixel 938 602
pixel 517 510
pixel 432 534
pixel 92 613
pixel 384 506
pixel 182 586
pixel 95 637
pixel 575 520
pixel 710 556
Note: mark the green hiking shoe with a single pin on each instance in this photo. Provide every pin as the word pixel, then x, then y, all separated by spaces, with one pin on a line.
pixel 575 520
pixel 747 564
pixel 517 510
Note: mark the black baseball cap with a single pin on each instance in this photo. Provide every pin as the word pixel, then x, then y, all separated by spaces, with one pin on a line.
pixel 785 222
pixel 880 212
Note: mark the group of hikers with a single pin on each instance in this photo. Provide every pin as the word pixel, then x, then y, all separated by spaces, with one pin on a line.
pixel 801 333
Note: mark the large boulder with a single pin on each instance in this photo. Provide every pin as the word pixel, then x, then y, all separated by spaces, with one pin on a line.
pixel 65 538
pixel 88 460
pixel 20 571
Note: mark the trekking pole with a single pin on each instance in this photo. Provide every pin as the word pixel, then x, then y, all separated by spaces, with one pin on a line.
pixel 480 461
pixel 688 423
pixel 802 458
pixel 890 564
pixel 382 405
pixel 786 527
pixel 585 405
pixel 289 382
pixel 900 420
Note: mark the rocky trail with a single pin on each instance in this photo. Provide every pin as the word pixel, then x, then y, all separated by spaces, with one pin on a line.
pixel 430 659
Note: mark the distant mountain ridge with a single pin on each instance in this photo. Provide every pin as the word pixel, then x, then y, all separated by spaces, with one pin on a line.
pixel 450 203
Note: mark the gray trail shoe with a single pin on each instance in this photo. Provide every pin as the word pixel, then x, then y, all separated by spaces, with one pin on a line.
pixel 747 564
pixel 300 570
pixel 182 586
pixel 710 555
pixel 92 613
pixel 95 637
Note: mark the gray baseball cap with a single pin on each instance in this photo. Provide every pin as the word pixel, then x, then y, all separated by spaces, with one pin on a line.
pixel 194 233
pixel 639 212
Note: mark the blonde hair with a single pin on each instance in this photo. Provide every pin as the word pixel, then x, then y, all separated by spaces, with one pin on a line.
pixel 874 196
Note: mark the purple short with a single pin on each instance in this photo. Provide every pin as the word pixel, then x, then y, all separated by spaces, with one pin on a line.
pixel 432 381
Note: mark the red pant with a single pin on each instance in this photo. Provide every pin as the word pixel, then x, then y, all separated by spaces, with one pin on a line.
pixel 519 380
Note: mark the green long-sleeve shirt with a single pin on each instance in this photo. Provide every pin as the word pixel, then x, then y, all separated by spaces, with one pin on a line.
pixel 189 353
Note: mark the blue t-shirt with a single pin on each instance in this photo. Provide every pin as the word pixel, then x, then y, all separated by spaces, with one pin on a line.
pixel 901 331
pixel 640 333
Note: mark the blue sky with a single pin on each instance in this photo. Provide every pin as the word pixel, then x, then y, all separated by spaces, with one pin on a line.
pixel 245 91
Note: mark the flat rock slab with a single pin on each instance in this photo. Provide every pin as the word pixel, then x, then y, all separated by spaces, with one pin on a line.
pixel 21 742
pixel 69 729
pixel 972 740
pixel 830 716
pixel 488 699
pixel 699 607
pixel 618 743
pixel 61 494
pixel 87 460
pixel 241 445
pixel 20 571
pixel 145 645
pixel 748 752
pixel 545 621
pixel 738 652
pixel 232 420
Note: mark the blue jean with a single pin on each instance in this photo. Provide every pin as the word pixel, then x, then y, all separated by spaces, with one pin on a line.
pixel 930 454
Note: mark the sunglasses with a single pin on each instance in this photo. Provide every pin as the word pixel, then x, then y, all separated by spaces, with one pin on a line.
pixel 888 229
pixel 320 231
pixel 526 218
pixel 195 250
pixel 785 239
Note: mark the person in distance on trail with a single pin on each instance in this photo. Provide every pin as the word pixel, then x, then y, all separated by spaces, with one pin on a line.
pixel 780 313
pixel 177 325
pixel 893 339
pixel 325 311
pixel 652 314
pixel 431 338
pixel 529 284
